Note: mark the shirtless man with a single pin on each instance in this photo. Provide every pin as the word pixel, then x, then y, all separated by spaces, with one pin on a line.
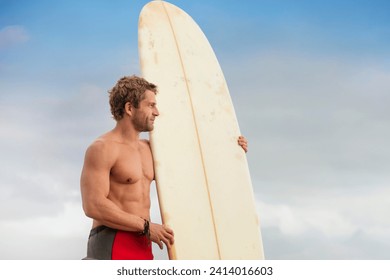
pixel 116 178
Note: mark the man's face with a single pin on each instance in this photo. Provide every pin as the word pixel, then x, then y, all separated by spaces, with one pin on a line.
pixel 144 116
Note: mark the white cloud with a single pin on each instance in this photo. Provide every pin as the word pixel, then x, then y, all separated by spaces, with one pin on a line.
pixel 12 35
pixel 327 224
pixel 60 236
pixel 298 220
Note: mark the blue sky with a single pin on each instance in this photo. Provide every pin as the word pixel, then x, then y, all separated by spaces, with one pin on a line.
pixel 310 81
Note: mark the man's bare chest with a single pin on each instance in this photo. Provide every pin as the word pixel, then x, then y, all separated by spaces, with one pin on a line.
pixel 132 165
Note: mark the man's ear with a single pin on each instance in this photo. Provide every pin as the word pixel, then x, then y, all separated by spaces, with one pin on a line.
pixel 128 109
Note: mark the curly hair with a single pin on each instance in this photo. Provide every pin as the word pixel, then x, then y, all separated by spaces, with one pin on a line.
pixel 128 89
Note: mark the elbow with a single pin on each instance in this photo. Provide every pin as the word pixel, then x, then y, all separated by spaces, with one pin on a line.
pixel 90 210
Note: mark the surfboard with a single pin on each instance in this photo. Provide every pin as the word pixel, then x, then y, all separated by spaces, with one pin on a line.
pixel 202 177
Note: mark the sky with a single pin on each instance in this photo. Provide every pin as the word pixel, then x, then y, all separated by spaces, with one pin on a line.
pixel 310 82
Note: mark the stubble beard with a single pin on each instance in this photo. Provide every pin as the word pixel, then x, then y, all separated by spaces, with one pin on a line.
pixel 143 126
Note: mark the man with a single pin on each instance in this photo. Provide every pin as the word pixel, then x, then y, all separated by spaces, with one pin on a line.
pixel 116 178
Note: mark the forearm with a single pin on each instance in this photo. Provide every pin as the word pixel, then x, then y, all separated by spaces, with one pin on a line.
pixel 109 214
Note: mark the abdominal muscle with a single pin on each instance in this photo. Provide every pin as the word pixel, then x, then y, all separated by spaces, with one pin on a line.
pixel 131 198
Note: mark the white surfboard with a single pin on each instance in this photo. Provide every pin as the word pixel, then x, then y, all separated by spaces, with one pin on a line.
pixel 202 176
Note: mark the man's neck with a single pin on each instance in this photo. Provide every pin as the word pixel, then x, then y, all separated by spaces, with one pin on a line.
pixel 126 132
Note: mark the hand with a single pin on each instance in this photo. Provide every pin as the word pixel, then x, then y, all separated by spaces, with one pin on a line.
pixel 160 234
pixel 243 143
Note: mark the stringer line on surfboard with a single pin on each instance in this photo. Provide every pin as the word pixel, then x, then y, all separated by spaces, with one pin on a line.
pixel 184 196
pixel 196 128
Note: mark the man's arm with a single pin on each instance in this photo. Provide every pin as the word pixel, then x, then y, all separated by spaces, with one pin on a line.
pixel 95 186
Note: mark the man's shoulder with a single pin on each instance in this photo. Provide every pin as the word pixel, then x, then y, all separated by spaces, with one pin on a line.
pixel 100 142
pixel 103 143
pixel 102 152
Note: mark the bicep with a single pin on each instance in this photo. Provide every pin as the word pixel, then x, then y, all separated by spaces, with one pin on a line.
pixel 95 176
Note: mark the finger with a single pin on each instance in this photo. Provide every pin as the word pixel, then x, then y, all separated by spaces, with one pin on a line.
pixel 169 237
pixel 160 244
pixel 243 144
pixel 168 244
pixel 166 241
pixel 168 230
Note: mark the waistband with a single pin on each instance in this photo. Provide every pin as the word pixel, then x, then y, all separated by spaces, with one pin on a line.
pixel 97 229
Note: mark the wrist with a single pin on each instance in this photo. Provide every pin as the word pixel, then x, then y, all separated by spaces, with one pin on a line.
pixel 146 229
